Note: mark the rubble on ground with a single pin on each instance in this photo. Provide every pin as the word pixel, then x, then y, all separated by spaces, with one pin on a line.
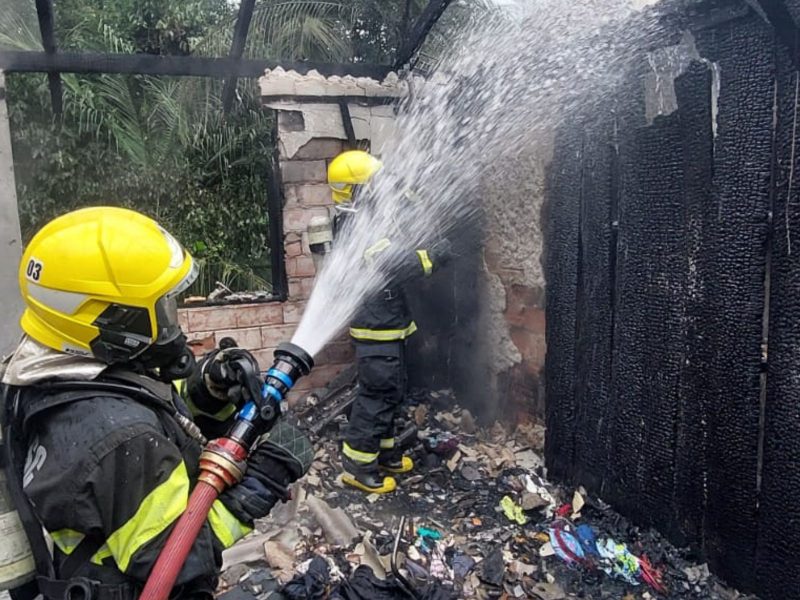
pixel 479 521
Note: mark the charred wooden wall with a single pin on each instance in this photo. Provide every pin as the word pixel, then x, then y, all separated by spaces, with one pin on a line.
pixel 673 272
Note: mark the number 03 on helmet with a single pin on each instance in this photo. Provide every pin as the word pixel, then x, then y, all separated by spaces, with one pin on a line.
pixel 103 282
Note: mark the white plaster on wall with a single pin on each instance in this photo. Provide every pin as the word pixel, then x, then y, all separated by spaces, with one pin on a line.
pixel 375 123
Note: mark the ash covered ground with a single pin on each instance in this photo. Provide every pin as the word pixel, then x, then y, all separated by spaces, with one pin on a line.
pixel 481 522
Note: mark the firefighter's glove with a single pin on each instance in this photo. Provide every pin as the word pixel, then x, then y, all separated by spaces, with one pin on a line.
pixel 280 458
pixel 225 373
pixel 441 252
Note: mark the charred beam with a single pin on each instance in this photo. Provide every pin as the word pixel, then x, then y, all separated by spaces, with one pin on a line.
pixel 347 123
pixel 177 66
pixel 420 30
pixel 44 11
pixel 359 100
pixel 237 49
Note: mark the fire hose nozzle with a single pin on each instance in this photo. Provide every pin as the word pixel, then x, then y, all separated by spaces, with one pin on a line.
pixel 291 363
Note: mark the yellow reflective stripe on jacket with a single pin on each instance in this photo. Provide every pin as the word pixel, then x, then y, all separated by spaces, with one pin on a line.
pixel 67 540
pixel 427 265
pixel 387 443
pixel 225 526
pixel 101 555
pixel 180 387
pixel 222 415
pixel 376 248
pixel 358 455
pixel 382 335
pixel 156 512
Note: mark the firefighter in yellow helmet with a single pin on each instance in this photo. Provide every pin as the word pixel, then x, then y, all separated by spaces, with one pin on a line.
pixel 112 448
pixel 379 330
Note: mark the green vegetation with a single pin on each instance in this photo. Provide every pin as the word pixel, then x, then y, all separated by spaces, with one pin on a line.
pixel 163 145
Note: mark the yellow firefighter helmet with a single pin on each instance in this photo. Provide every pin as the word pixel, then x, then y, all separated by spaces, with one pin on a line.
pixel 103 282
pixel 351 168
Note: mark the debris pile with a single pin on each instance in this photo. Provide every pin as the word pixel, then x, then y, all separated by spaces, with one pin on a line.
pixel 475 519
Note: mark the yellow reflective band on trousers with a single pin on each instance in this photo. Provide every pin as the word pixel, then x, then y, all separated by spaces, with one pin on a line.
pixel 358 455
pixel 382 335
pixel 427 265
pixel 225 526
pixel 157 511
pixel 387 443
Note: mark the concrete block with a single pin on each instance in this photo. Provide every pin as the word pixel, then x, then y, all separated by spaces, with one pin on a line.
pixel 183 320
pixel 273 335
pixel 315 194
pixel 294 249
pixel 297 219
pixel 211 318
pixel 304 171
pixel 300 288
pixel 319 148
pixel 254 315
pixel 293 312
pixel 302 266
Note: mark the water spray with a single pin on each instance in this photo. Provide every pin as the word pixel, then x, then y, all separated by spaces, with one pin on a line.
pixel 223 461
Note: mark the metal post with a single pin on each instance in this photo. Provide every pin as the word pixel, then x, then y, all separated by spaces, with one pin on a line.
pixel 10 237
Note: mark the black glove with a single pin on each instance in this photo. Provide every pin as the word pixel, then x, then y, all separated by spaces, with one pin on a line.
pixel 280 458
pixel 441 253
pixel 219 375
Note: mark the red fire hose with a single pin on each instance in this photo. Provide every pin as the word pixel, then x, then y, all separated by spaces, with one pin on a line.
pixel 223 461
pixel 220 467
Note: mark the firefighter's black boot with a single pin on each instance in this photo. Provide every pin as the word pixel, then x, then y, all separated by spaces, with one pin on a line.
pixel 394 461
pixel 366 477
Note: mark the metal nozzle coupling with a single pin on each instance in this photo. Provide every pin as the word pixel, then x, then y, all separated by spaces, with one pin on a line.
pixel 222 463
pixel 291 363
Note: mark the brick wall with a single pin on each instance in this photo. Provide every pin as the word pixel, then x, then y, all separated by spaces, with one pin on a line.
pixel 261 327
pixel 514 307
pixel 309 136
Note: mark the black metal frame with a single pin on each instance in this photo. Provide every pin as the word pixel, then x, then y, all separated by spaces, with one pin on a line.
pixel 176 66
pixel 237 49
pixel 44 11
pixel 422 27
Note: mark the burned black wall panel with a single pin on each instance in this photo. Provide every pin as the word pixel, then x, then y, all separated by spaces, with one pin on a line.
pixel 693 92
pixel 593 333
pixel 560 223
pixel 733 300
pixel 779 515
pixel 445 353
pixel 650 278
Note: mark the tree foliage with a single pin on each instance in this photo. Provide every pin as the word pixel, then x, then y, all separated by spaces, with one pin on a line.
pixel 163 145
